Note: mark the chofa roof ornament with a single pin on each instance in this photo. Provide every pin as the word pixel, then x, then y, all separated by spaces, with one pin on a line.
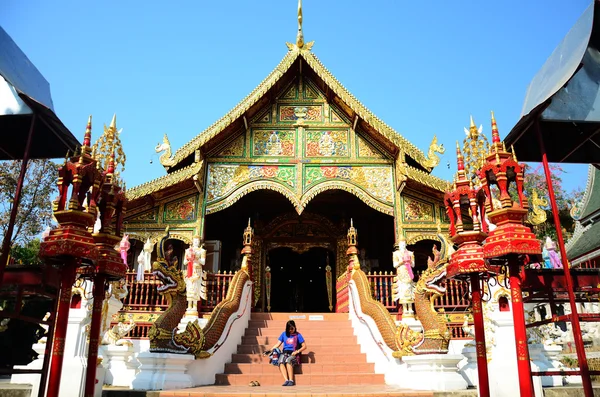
pixel 300 45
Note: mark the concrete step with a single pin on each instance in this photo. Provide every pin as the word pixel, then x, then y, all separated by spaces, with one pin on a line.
pixel 353 358
pixel 306 333
pixel 301 325
pixel 275 378
pixel 313 341
pixel 331 368
pixel 335 349
pixel 298 317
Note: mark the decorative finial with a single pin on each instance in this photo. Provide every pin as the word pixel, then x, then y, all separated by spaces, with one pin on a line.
pixel 300 35
pixel 111 163
pixel 513 153
pixel 113 123
pixel 473 131
pixel 248 233
pixel 87 138
pixel 495 133
pixel 459 158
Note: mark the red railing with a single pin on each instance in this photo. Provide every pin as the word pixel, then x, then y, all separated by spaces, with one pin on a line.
pixel 456 298
pixel 589 264
pixel 144 301
pixel 143 295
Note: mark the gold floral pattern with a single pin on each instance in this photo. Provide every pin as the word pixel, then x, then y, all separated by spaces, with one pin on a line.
pixel 365 150
pixel 416 210
pixel 224 178
pixel 306 112
pixel 273 143
pixel 235 149
pixel 326 143
pixel 181 210
pixel 377 181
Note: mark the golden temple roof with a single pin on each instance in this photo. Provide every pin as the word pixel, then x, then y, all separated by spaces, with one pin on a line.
pixel 240 109
pixel 165 181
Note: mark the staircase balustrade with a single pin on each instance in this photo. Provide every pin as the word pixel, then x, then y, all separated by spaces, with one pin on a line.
pixel 143 299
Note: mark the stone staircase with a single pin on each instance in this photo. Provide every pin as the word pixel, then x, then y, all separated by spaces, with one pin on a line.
pixel 332 356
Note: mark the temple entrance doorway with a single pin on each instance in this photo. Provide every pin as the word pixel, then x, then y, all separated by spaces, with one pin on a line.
pixel 298 280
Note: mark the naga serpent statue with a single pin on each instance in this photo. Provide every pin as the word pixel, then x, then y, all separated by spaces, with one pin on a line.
pixel 537 216
pixel 402 340
pixel 165 159
pixel 433 159
pixel 194 339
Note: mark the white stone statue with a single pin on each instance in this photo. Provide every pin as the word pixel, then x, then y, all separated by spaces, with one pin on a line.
pixel 194 275
pixel 144 260
pixel 404 290
pixel 114 336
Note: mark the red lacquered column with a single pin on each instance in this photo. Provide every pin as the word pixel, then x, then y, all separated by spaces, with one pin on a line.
pixel 482 369
pixel 90 374
pixel 523 365
pixel 60 333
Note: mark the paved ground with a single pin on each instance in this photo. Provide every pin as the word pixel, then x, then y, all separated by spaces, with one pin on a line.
pixel 297 391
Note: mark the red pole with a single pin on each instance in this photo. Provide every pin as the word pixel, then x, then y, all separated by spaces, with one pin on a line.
pixel 581 357
pixel 60 333
pixel 523 365
pixel 15 206
pixel 90 374
pixel 482 368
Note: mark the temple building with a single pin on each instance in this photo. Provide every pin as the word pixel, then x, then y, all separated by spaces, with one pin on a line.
pixel 583 247
pixel 298 158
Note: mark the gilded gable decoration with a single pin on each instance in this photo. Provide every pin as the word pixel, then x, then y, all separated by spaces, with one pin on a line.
pixel 311 92
pixel 235 148
pixel 375 180
pixel 223 179
pixel 150 216
pixel 332 143
pixel 273 143
pixel 181 210
pixel 365 150
pixel 297 113
pixel 347 187
pixel 336 118
pixel 415 210
pixel 292 91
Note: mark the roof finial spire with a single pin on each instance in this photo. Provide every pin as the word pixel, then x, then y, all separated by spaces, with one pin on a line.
pixel 300 35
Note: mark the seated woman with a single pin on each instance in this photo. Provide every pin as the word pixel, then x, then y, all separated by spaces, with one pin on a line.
pixel 293 344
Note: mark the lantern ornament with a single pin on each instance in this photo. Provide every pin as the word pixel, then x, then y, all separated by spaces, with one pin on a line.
pixel 111 207
pixel 511 239
pixel 465 205
pixel 248 234
pixel 352 235
pixel 72 239
pixel 500 173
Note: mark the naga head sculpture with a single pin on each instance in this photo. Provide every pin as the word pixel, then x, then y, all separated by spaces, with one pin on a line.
pixel 167 272
pixel 432 280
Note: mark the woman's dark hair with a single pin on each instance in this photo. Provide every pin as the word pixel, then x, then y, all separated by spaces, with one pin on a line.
pixel 288 326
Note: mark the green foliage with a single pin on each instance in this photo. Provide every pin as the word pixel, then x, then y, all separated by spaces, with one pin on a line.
pixel 26 254
pixel 35 207
pixel 536 179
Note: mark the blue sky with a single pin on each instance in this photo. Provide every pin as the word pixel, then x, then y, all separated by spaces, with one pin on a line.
pixel 421 66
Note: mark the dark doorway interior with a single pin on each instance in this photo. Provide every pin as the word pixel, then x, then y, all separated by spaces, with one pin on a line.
pixel 298 280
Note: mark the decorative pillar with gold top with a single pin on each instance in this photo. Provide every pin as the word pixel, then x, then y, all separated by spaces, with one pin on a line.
pixel 511 239
pixel 465 205
pixel 71 245
pixel 109 265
